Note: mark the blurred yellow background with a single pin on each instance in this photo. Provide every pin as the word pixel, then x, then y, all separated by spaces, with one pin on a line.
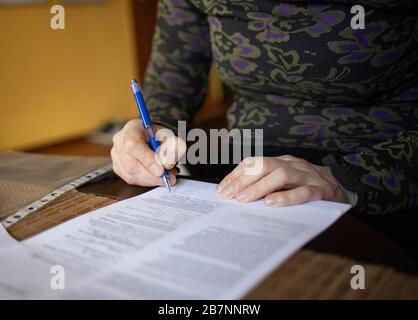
pixel 58 84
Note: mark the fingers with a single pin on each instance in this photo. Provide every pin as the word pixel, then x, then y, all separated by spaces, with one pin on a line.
pixel 295 196
pixel 280 178
pixel 230 188
pixel 171 150
pixel 134 145
pixel 272 174
pixel 138 173
pixel 135 162
pixel 300 181
pixel 239 179
pixel 243 169
pixel 119 171
pixel 134 173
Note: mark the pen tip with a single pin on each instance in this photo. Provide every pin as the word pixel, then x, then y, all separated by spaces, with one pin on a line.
pixel 167 184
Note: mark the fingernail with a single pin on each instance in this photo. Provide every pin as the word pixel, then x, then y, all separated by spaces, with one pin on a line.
pixel 242 195
pixel 219 188
pixel 269 201
pixel 155 169
pixel 227 191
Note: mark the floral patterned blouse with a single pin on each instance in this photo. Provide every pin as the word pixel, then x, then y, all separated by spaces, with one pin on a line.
pixel 300 72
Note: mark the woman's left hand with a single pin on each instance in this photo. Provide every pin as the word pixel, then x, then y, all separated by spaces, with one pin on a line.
pixel 283 180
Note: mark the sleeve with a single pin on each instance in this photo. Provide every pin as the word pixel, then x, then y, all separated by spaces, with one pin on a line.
pixel 385 176
pixel 176 79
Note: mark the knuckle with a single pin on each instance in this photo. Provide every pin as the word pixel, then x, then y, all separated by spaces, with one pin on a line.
pixel 115 138
pixel 130 124
pixel 281 173
pixel 304 162
pixel 306 193
pixel 147 157
pixel 112 153
pixel 129 143
pixel 227 181
pixel 265 163
pixel 130 166
pixel 287 157
pixel 253 191
pixel 249 161
pixel 236 184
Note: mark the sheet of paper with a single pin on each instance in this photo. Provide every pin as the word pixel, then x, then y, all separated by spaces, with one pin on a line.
pixel 20 273
pixel 6 240
pixel 188 244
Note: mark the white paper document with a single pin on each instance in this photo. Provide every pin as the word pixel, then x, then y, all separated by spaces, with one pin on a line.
pixel 6 240
pixel 188 244
pixel 21 275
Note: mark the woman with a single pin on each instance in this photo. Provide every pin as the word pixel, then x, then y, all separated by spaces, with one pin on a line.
pixel 315 85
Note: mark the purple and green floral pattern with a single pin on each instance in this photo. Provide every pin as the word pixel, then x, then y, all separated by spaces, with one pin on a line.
pixel 234 49
pixel 287 19
pixel 301 73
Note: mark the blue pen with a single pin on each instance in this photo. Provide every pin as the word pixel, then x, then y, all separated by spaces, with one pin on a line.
pixel 146 121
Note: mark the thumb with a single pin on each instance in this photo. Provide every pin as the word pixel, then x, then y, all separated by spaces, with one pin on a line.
pixel 171 150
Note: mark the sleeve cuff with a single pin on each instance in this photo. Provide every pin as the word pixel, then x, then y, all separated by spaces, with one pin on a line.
pixel 351 185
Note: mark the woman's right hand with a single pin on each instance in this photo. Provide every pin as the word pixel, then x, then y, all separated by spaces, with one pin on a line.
pixel 136 163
